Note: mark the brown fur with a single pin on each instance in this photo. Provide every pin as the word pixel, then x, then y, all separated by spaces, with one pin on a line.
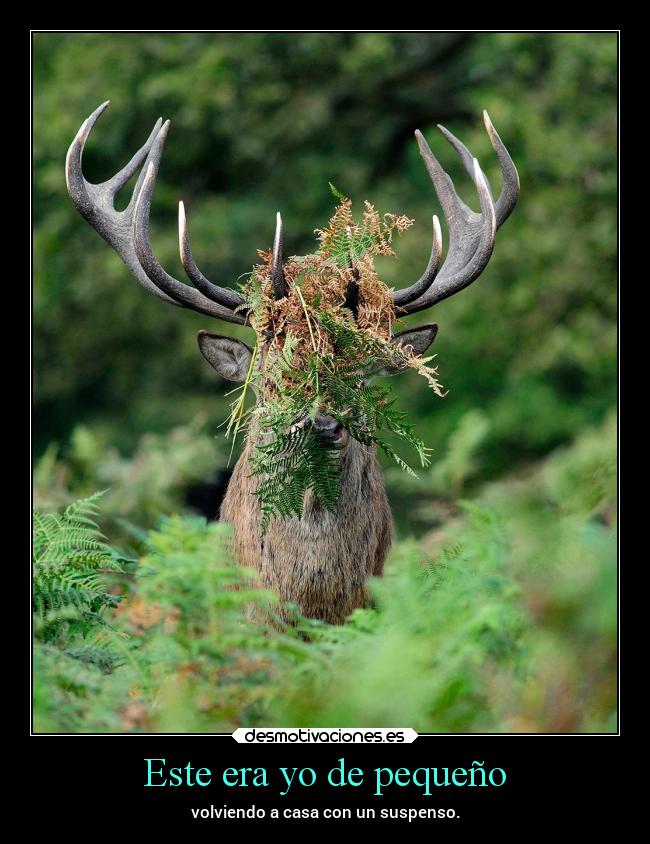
pixel 320 562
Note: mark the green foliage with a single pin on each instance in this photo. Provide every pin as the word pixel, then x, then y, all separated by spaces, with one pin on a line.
pixel 460 462
pixel 186 632
pixel 584 476
pixel 317 358
pixel 259 121
pixel 425 673
pixel 70 558
pixel 293 463
pixel 337 193
pixel 204 632
pixel 296 460
pixel 152 481
pixel 74 643
pixel 504 621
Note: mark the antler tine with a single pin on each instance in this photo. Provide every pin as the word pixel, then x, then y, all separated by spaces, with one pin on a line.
pixel 471 235
pixel 278 280
pixel 78 187
pixel 510 192
pixel 480 249
pixel 228 298
pixel 464 228
pixel 448 283
pixel 507 200
pixel 182 293
pixel 410 294
pixel 95 202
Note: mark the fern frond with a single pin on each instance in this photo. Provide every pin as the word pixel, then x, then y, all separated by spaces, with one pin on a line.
pixel 70 563
pixel 319 358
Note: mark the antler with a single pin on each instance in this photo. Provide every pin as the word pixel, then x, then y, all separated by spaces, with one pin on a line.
pixel 471 235
pixel 128 231
pixel 278 281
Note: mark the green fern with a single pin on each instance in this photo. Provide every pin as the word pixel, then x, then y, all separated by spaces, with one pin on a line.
pixel 291 464
pixel 70 563
pixel 318 358
pixel 295 460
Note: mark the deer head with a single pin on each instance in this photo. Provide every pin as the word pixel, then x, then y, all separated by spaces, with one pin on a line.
pixel 471 241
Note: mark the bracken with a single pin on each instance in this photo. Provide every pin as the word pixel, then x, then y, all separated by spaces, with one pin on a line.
pixel 322 341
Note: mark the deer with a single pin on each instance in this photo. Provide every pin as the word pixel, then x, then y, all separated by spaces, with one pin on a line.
pixel 322 561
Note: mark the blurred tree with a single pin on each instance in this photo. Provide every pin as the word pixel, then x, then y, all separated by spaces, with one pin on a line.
pixel 262 121
pixel 259 121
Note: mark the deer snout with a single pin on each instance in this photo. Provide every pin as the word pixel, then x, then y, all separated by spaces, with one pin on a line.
pixel 330 429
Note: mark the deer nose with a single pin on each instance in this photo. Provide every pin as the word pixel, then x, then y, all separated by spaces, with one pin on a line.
pixel 327 426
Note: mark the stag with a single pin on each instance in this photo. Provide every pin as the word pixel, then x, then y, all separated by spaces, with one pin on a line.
pixel 322 561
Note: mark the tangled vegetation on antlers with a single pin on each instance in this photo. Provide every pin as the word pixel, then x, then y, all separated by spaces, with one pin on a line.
pixel 316 349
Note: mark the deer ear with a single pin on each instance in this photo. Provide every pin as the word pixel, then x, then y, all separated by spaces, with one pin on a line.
pixel 416 339
pixel 231 358
pixel 419 339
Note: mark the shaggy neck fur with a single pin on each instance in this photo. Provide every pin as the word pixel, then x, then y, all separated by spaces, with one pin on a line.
pixel 321 561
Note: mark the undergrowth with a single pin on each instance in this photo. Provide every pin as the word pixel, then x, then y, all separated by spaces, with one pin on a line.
pixel 504 621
